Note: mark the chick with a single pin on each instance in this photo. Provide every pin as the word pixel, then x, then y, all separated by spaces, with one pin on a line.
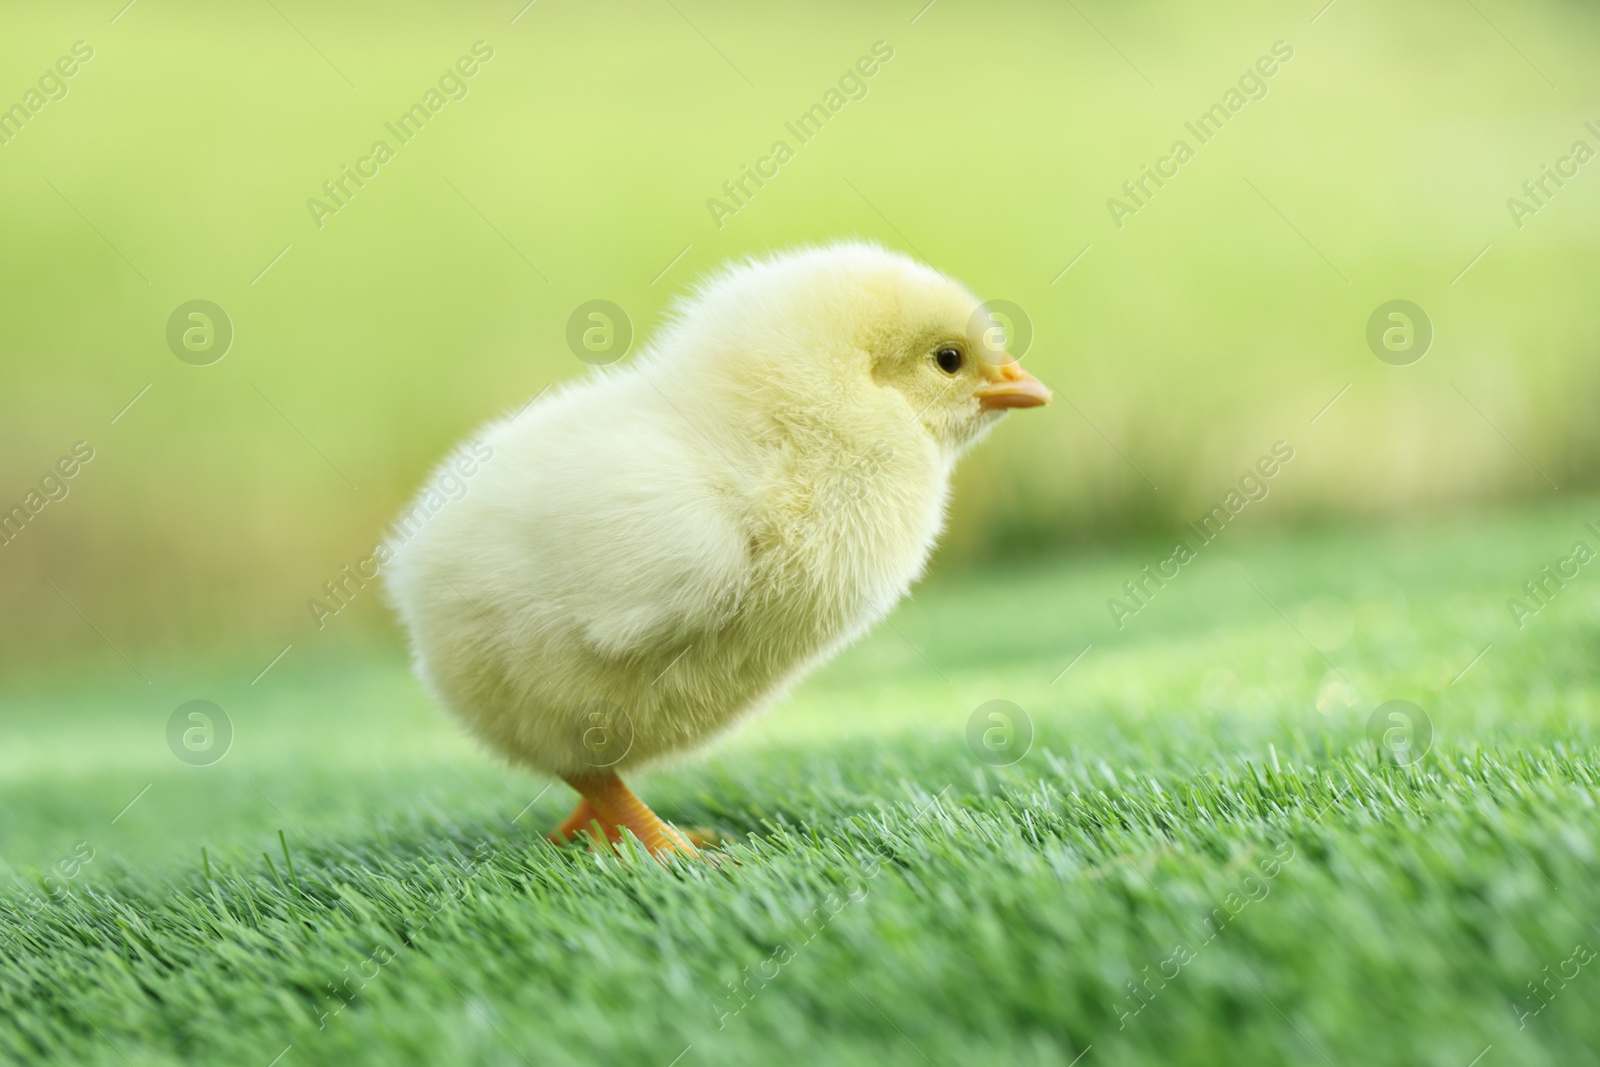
pixel 656 552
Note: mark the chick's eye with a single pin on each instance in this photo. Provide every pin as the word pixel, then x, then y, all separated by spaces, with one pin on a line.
pixel 949 359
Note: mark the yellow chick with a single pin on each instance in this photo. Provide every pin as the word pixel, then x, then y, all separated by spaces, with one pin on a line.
pixel 653 553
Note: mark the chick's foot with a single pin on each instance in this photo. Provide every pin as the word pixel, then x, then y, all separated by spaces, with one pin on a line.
pixel 584 820
pixel 613 807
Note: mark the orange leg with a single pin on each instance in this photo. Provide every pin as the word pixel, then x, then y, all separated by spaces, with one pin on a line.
pixel 582 820
pixel 616 808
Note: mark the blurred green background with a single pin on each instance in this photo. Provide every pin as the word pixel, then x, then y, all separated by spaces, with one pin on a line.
pixel 1224 316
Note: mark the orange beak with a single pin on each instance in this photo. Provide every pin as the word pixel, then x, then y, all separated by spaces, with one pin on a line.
pixel 1010 387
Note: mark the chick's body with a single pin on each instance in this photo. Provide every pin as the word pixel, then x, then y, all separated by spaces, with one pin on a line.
pixel 657 551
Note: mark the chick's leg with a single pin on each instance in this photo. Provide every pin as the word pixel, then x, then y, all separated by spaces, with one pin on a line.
pixel 582 820
pixel 616 806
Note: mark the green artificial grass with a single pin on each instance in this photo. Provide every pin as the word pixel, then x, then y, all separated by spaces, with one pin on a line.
pixel 1206 855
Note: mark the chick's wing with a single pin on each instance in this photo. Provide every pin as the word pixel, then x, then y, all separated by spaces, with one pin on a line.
pixel 624 528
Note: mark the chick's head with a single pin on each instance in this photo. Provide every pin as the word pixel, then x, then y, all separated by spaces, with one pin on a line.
pixel 849 340
pixel 931 341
